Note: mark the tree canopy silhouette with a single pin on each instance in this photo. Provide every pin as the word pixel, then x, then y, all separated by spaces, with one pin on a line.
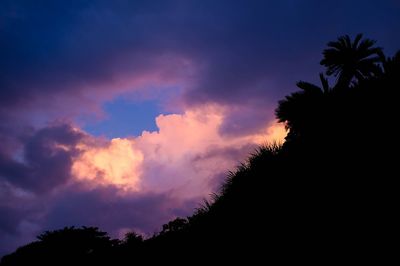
pixel 68 245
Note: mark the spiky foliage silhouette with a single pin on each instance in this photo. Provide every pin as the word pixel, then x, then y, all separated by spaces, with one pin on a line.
pixel 391 65
pixel 348 60
pixel 302 110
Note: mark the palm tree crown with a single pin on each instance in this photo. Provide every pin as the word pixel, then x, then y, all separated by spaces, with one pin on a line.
pixel 348 60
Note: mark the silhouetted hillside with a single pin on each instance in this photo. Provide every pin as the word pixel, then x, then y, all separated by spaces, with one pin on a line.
pixel 327 194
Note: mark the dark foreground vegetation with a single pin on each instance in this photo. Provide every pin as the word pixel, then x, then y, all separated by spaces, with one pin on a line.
pixel 328 194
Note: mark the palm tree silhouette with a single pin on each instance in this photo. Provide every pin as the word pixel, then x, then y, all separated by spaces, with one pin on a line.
pixel 299 109
pixel 348 60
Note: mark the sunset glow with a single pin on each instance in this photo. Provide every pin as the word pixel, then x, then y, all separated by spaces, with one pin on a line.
pixel 118 164
pixel 126 162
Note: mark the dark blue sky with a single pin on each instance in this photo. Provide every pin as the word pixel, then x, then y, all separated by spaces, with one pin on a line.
pixel 81 80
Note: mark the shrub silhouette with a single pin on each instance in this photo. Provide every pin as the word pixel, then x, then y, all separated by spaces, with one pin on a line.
pixel 327 194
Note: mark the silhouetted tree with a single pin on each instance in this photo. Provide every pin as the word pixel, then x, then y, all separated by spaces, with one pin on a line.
pixel 300 110
pixel 346 59
pixel 133 239
pixel 174 225
pixel 68 245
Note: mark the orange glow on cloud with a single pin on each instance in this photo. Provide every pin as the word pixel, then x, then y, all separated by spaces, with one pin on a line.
pixel 183 156
pixel 117 164
pixel 275 132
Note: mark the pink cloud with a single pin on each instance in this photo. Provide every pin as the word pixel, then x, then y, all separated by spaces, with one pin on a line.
pixel 183 157
pixel 116 163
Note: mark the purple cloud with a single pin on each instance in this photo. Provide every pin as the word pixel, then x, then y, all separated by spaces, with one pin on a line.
pixel 45 161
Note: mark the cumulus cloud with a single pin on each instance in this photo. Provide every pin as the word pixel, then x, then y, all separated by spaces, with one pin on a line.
pixel 183 157
pixel 67 177
pixel 115 163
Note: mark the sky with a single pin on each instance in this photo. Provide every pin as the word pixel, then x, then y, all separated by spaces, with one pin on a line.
pixel 126 114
